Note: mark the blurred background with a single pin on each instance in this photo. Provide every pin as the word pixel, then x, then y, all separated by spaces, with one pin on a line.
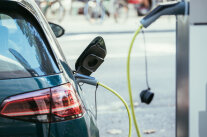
pixel 116 21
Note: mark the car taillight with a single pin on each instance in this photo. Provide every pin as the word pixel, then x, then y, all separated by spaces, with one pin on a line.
pixel 66 104
pixel 48 105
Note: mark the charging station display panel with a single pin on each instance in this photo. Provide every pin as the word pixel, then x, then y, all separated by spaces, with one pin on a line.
pixel 198 81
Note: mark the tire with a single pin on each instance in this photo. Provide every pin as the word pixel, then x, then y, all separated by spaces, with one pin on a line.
pixel 142 11
pixel 95 13
pixel 55 11
pixel 120 11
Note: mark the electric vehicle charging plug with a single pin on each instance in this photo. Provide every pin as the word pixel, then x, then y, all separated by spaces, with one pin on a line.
pixel 146 96
pixel 169 8
pixel 80 78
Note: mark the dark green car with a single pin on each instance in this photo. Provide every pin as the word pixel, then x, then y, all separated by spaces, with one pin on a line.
pixel 38 93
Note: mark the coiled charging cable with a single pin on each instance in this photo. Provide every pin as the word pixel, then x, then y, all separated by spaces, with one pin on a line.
pixel 129 81
pixel 125 104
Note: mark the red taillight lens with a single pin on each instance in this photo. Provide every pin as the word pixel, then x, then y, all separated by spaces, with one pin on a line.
pixel 34 106
pixel 48 105
pixel 66 103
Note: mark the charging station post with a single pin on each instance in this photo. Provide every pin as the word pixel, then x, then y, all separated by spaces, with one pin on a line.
pixel 191 71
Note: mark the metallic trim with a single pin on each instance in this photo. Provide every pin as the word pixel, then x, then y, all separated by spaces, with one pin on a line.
pixel 182 77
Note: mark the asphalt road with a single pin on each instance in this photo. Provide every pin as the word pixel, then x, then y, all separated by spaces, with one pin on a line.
pixel 160 115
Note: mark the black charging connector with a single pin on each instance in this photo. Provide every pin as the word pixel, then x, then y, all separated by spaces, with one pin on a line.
pixel 146 96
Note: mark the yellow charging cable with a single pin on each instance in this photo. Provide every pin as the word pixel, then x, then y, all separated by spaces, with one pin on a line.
pixel 129 82
pixel 125 104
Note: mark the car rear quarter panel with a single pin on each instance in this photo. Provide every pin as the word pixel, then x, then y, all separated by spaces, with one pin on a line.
pixel 11 87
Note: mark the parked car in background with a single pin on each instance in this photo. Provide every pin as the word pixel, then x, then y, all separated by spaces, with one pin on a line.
pixel 39 96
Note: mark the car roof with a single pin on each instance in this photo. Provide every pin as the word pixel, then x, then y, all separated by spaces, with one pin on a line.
pixel 29 5
pixel 31 2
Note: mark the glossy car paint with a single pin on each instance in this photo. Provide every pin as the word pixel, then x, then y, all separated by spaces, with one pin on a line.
pixel 82 127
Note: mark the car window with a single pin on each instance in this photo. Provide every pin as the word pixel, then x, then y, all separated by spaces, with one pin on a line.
pixel 23 48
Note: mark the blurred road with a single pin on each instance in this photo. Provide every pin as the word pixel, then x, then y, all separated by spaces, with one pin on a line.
pixel 160 42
